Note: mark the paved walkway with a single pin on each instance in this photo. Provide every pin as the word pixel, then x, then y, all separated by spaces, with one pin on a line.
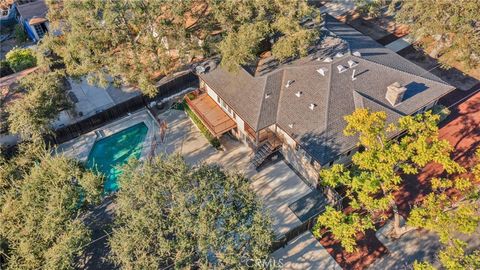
pixel 337 8
pixel 418 245
pixel 305 253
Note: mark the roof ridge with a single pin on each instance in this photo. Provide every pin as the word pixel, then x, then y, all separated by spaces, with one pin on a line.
pixel 280 96
pixel 409 73
pixel 261 103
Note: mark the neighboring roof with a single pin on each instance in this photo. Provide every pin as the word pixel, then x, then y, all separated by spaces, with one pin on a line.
pixel 36 20
pixel 34 9
pixel 261 97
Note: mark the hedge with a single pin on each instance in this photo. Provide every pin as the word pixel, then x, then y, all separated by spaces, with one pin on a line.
pixel 203 129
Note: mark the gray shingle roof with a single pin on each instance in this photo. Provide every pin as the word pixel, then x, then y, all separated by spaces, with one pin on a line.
pixel 320 131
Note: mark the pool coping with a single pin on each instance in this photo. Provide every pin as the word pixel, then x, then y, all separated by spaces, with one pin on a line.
pixel 81 146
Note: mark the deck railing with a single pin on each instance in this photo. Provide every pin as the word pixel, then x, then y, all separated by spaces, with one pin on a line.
pixel 217 129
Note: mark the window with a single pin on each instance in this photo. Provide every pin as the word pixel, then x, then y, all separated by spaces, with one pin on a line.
pixel 219 100
pixel 330 164
pixel 349 152
pixel 4 12
pixel 234 115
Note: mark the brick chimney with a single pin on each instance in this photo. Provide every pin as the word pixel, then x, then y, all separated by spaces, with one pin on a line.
pixel 395 93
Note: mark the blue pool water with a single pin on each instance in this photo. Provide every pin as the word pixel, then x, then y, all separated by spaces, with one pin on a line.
pixel 110 153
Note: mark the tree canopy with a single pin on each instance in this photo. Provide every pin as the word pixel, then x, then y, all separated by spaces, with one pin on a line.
pixel 41 198
pixel 451 215
pixel 374 176
pixel 135 42
pixel 455 25
pixel 43 98
pixel 170 214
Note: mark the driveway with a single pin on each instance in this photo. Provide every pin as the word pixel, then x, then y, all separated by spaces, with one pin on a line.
pixel 278 186
pixel 305 253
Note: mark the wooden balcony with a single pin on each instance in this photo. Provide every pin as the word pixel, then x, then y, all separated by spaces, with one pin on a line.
pixel 212 116
pixel 265 135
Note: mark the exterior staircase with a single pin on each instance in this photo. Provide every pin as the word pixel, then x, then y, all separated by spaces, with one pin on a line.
pixel 262 153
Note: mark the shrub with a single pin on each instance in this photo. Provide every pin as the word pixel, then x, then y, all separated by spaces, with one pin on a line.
pixel 441 110
pixel 5 69
pixel 203 129
pixel 20 59
pixel 20 34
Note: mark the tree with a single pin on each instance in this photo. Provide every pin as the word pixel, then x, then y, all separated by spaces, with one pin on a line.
pixel 135 42
pixel 170 214
pixel 449 216
pixel 19 59
pixel 374 176
pixel 454 25
pixel 41 202
pixel 44 98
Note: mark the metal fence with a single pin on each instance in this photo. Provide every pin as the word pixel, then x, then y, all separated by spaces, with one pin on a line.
pixel 117 111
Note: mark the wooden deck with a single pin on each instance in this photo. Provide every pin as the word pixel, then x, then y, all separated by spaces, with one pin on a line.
pixel 212 116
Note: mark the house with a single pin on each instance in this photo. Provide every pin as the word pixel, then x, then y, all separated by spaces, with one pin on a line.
pixel 7 13
pixel 298 107
pixel 32 15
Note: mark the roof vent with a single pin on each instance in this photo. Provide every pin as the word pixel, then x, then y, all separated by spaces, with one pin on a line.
pixel 290 125
pixel 267 95
pixel 328 60
pixel 312 106
pixel 322 71
pixel 357 54
pixel 341 68
pixel 298 94
pixel 352 63
pixel 339 54
pixel 395 93
pixel 289 82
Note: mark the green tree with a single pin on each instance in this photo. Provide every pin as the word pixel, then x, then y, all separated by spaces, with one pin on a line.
pixel 454 25
pixel 135 42
pixel 449 216
pixel 171 214
pixel 19 59
pixel 41 199
pixel 375 173
pixel 44 97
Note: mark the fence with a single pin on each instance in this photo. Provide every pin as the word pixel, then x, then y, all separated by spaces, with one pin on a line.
pixel 119 110
pixel 293 233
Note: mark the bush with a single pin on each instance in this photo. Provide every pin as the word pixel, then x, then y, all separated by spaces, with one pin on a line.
pixel 441 110
pixel 5 69
pixel 211 139
pixel 20 59
pixel 20 34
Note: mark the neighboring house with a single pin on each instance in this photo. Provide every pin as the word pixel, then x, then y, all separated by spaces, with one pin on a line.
pixel 32 15
pixel 7 13
pixel 298 107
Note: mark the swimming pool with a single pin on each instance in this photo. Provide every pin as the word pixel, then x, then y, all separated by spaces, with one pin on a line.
pixel 109 153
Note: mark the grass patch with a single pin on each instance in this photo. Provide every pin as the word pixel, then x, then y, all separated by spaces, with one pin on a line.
pixel 203 129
